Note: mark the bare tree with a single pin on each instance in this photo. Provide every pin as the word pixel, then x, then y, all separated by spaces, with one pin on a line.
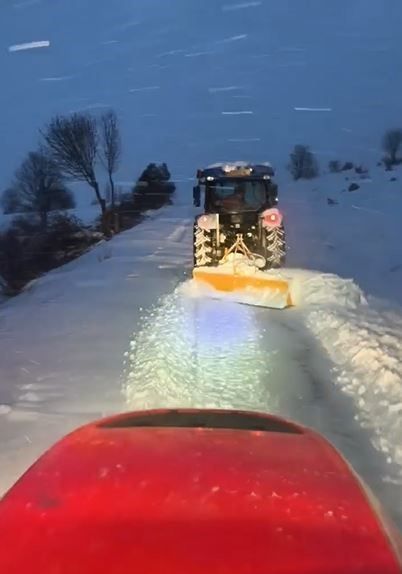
pixel 111 148
pixel 38 187
pixel 73 144
pixel 391 143
pixel 303 164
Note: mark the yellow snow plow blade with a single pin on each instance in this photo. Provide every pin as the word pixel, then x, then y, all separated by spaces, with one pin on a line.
pixel 261 289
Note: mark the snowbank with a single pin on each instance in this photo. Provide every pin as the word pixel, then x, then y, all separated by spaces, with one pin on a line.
pixel 365 347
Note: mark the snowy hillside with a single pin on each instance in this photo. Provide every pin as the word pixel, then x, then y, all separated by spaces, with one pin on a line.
pixel 359 236
pixel 195 81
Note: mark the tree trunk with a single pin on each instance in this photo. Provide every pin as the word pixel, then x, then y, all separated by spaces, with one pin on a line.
pixel 111 191
pixel 101 201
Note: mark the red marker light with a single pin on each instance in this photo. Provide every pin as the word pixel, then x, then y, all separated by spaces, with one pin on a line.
pixel 272 218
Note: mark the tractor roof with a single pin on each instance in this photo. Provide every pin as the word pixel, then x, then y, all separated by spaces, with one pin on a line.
pixel 237 169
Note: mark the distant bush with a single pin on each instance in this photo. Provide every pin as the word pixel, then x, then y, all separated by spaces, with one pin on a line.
pixel 303 164
pixel 348 165
pixel 67 238
pixel 391 144
pixel 154 188
pixel 12 269
pixel 335 166
pixel 27 250
pixel 388 164
pixel 361 170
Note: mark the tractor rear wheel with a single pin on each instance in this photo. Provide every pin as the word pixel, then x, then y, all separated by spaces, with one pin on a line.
pixel 202 247
pixel 275 247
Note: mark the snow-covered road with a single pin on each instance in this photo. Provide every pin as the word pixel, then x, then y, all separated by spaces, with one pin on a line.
pixel 332 363
pixel 197 352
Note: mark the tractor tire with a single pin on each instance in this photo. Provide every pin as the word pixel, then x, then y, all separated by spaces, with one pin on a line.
pixel 202 247
pixel 275 247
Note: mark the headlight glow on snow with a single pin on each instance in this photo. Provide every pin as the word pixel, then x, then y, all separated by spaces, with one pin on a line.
pixel 197 352
pixel 220 326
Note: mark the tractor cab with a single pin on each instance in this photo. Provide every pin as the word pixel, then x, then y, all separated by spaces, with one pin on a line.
pixel 236 188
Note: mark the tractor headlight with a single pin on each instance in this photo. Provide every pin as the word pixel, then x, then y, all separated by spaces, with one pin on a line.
pixel 208 222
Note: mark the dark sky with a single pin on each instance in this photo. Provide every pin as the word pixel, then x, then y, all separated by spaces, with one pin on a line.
pixel 198 81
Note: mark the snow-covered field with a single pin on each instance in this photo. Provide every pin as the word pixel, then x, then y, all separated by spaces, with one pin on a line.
pixel 360 237
pixel 333 362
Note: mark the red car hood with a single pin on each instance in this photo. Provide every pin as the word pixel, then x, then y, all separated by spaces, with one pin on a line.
pixel 116 498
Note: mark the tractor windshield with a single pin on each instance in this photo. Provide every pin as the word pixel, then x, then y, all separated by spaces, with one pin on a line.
pixel 234 195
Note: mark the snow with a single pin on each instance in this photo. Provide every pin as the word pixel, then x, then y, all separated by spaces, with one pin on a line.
pixel 145 89
pixel 59 366
pixel 358 237
pixel 240 6
pixel 306 363
pixel 243 140
pixel 332 362
pixel 233 39
pixel 29 46
pixel 224 89
pixel 366 351
pixel 238 113
pixel 313 109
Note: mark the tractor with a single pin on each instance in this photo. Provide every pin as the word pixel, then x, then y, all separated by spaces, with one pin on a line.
pixel 240 214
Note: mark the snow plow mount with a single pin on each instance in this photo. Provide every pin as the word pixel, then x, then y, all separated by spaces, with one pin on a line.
pixel 239 247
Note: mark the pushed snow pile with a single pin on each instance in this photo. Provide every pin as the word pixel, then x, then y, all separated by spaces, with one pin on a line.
pixel 314 288
pixel 365 346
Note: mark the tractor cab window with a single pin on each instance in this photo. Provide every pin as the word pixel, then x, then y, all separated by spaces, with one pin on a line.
pixel 234 196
